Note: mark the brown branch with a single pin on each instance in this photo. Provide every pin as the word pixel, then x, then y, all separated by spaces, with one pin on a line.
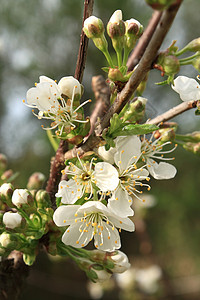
pixel 173 112
pixel 144 41
pixel 57 163
pixel 139 74
pixel 82 53
pixel 102 94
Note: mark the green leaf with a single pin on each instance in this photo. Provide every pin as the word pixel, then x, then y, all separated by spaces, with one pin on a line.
pixel 197 112
pixel 105 69
pixel 123 69
pixel 134 129
pixel 58 201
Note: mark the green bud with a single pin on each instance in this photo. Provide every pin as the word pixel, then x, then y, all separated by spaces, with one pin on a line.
pixel 160 4
pixel 36 181
pixel 116 30
pixel 193 46
pixel 29 259
pixel 133 31
pixel 115 75
pixel 192 147
pixel 136 110
pixel 196 63
pixel 42 198
pixel 169 64
pixel 3 163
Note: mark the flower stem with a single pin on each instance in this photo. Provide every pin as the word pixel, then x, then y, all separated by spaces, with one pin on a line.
pixel 52 140
pixel 108 58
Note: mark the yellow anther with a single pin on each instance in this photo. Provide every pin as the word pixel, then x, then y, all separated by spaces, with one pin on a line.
pixel 122 151
pixel 130 200
pixel 68 230
pixel 80 230
pixel 77 242
pixel 113 228
pixel 115 242
pixel 82 245
pixel 116 198
pixel 75 220
pixel 76 215
pixel 108 237
pixel 143 200
pixel 64 221
pixel 101 244
pixel 119 162
pixel 107 222
pixel 120 230
pixel 134 157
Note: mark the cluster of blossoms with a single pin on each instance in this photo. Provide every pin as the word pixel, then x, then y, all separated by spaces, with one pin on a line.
pixel 98 194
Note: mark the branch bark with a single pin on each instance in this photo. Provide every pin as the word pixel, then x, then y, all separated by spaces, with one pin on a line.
pixel 173 112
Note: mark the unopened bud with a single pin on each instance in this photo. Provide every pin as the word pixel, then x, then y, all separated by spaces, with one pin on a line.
pixel 102 276
pixel 3 162
pixel 193 46
pixel 71 87
pixel 21 197
pixel 192 147
pixel 115 75
pixel 36 181
pixel 160 4
pixel 12 220
pixel 93 27
pixel 120 260
pixel 169 63
pixel 7 175
pixel 136 110
pixel 42 198
pixel 8 240
pixel 196 63
pixel 6 191
pixel 116 30
pixel 133 31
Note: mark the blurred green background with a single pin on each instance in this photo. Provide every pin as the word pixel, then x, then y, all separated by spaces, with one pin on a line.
pixel 41 37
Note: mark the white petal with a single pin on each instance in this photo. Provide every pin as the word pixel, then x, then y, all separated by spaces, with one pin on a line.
pixel 123 223
pixel 116 16
pixel 107 156
pixel 45 79
pixel 188 88
pixel 69 191
pixel 109 240
pixel 67 84
pixel 106 176
pixel 128 151
pixel 65 214
pixel 93 206
pixel 162 170
pixel 120 203
pixel 76 237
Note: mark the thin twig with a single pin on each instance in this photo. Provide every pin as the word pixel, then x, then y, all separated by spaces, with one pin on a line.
pixel 144 41
pixel 173 112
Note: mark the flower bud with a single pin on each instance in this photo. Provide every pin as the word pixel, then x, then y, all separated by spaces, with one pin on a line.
pixel 170 64
pixel 136 110
pixel 193 46
pixel 116 30
pixel 6 191
pixel 120 260
pixel 165 134
pixel 21 197
pixel 93 27
pixel 7 175
pixel 133 31
pixel 70 87
pixel 42 198
pixel 102 276
pixel 192 147
pixel 160 4
pixel 3 162
pixel 12 220
pixel 36 181
pixel 115 75
pixel 196 63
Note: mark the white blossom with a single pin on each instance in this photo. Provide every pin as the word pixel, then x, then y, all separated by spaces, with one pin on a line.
pixel 5 187
pixel 152 150
pixel 91 220
pixel 19 197
pixel 104 176
pixel 46 97
pixel 103 276
pixel 187 88
pixel 11 219
pixel 130 176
